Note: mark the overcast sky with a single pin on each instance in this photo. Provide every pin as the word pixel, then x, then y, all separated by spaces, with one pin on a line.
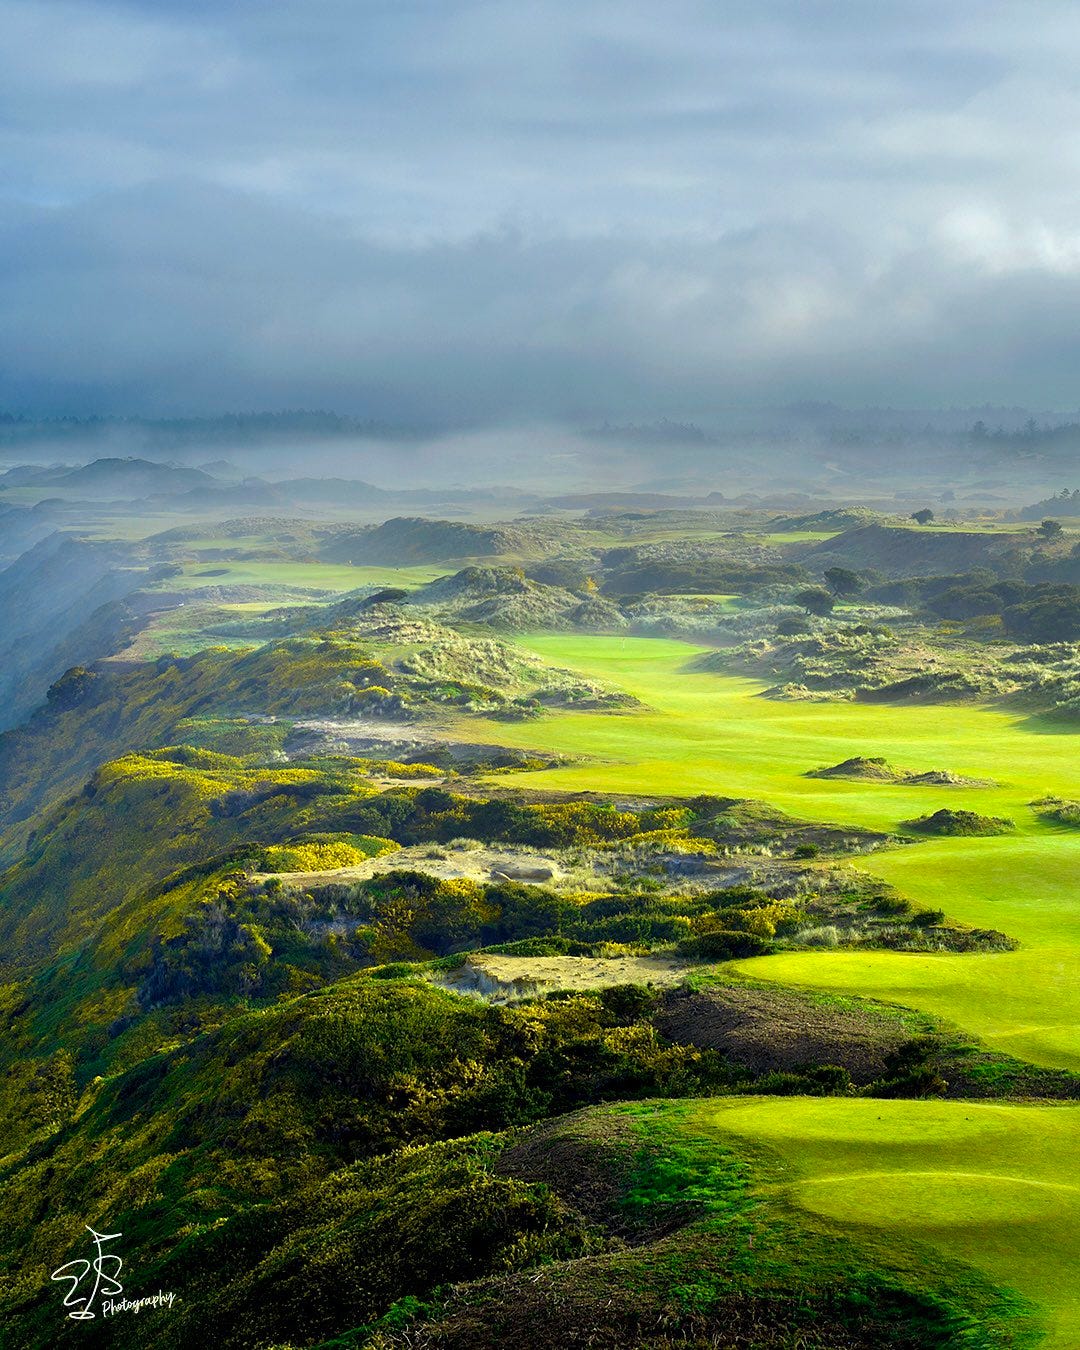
pixel 485 210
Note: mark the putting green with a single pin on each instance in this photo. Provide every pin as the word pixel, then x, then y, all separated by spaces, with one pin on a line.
pixel 704 732
pixel 995 1185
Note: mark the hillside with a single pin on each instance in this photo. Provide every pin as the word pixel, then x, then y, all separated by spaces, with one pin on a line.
pixel 902 552
pixel 323 1170
pixel 75 583
pixel 691 566
pixel 21 527
pixel 369 675
pixel 112 477
pixel 315 945
pixel 407 539
pixel 504 598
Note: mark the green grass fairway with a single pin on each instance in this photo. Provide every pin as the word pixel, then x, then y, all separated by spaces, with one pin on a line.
pixel 309 575
pixel 798 536
pixel 1025 1002
pixel 995 1185
pixel 712 733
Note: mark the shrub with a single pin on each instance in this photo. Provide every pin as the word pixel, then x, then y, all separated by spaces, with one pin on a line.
pixel 828 1077
pixel 781 1084
pixel 395 970
pixel 550 946
pixel 963 824
pixel 816 600
pixel 316 854
pixel 628 1002
pixel 723 945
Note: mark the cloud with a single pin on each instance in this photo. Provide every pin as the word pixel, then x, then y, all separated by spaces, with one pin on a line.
pixel 463 211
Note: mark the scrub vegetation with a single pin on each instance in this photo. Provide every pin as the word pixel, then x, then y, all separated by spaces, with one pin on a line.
pixel 444 932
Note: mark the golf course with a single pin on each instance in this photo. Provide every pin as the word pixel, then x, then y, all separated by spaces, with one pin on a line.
pixel 991 1184
pixel 998 1185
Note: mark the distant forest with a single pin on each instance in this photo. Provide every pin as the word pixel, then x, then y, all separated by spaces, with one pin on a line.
pixel 1031 436
pixel 1063 503
pixel 824 425
pixel 229 429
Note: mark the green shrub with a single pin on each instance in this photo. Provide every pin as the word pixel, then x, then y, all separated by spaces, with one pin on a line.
pixel 323 853
pixel 723 945
pixel 961 824
pixel 550 946
pixel 340 1252
pixel 395 970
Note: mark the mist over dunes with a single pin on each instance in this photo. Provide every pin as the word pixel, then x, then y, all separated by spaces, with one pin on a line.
pixel 539 675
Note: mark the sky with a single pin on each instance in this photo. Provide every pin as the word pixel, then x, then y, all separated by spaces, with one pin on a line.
pixel 488 211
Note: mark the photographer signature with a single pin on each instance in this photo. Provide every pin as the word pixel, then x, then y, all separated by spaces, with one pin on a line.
pixel 91 1279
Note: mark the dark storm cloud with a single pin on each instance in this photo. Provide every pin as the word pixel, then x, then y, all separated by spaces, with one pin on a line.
pixel 481 211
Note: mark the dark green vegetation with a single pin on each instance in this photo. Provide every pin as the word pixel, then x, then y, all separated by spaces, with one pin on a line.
pixel 641 1235
pixel 330 1156
pixel 197 1061
pixel 243 879
pixel 1036 612
pixel 138 901
pixel 877 769
pixel 963 824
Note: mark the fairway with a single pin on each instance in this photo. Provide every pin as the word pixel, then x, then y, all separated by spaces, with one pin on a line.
pixel 995 1185
pixel 705 732
pixel 306 575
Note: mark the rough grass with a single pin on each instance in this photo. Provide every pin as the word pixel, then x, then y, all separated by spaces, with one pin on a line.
pixel 716 1255
pixel 501 977
pixel 773 1030
pixel 1059 811
pixel 960 824
pixel 876 769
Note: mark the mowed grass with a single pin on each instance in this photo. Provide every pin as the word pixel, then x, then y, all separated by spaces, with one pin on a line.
pixel 711 733
pixel 995 1185
pixel 304 575
pixel 776 537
